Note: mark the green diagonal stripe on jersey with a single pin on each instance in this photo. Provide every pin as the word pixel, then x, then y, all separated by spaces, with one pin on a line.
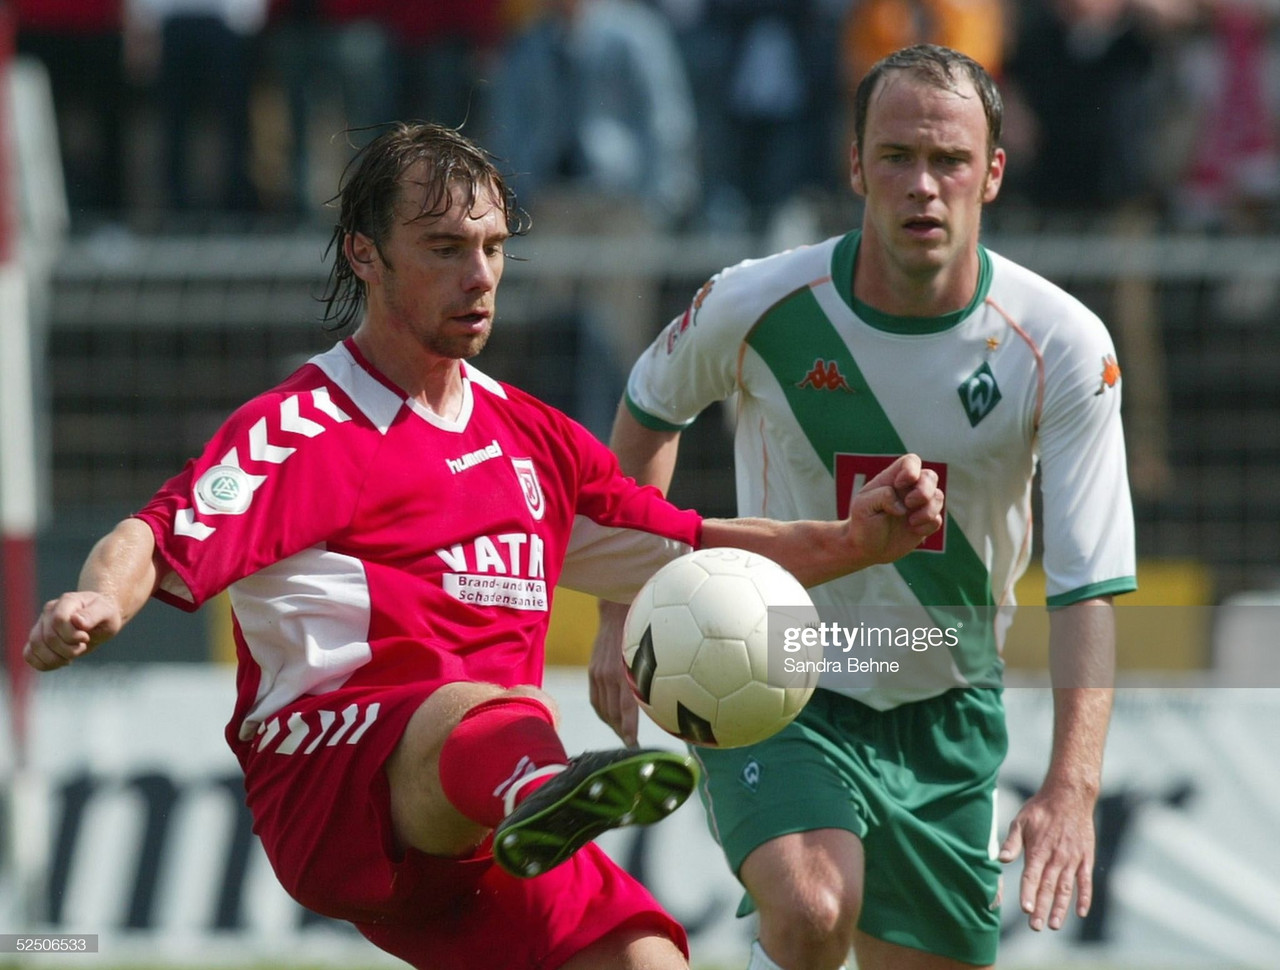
pixel 953 585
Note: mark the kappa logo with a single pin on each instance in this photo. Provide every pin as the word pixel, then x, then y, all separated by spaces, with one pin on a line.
pixel 979 394
pixel 1110 374
pixel 825 376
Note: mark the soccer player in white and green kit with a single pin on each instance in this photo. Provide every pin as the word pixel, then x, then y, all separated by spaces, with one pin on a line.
pixel 870 823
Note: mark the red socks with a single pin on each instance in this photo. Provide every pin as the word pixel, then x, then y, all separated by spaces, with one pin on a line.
pixel 501 751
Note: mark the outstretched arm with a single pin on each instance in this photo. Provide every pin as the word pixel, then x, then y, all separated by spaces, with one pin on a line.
pixel 1054 829
pixel 116 580
pixel 888 518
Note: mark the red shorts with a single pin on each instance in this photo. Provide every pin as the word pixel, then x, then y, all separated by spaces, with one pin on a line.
pixel 321 806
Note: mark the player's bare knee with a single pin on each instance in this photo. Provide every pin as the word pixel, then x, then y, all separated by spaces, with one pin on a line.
pixel 813 929
pixel 540 695
pixel 421 815
pixel 436 717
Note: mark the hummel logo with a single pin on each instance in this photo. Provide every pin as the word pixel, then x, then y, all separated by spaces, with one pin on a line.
pixel 825 376
pixel 491 450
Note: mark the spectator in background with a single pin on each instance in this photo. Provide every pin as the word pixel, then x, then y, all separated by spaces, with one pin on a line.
pixel 1089 73
pixel 592 93
pixel 200 53
pixel 592 111
pixel 762 72
pixel 443 49
pixel 875 28
pixel 1233 178
pixel 81 44
pixel 332 60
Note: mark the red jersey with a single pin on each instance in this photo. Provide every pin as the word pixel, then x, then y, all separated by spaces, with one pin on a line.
pixel 366 541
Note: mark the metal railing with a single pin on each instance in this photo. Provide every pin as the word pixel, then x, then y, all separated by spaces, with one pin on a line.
pixel 152 341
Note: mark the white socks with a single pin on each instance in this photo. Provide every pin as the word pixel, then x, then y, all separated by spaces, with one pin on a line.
pixel 760 960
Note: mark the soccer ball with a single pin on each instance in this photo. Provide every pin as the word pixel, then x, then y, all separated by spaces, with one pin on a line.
pixel 696 646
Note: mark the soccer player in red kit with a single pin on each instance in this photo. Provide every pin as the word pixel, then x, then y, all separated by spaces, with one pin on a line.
pixel 390 525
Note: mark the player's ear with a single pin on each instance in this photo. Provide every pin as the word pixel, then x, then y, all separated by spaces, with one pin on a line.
pixel 995 176
pixel 362 254
pixel 855 170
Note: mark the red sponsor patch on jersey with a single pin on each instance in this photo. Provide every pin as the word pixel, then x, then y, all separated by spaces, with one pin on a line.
pixel 854 471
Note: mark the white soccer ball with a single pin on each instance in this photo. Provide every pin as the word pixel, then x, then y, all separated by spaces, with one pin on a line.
pixel 697 647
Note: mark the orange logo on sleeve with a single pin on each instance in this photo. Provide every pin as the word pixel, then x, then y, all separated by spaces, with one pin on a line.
pixel 1110 374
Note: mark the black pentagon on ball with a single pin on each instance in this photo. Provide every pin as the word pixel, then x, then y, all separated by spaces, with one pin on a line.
pixel 693 728
pixel 644 665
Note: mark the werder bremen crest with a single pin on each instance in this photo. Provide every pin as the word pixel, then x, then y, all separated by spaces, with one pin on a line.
pixel 979 394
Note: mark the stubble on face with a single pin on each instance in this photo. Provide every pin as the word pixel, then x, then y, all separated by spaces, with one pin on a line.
pixel 440 343
pixel 445 308
pixel 923 229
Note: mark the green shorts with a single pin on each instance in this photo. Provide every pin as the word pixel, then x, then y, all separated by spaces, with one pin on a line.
pixel 917 784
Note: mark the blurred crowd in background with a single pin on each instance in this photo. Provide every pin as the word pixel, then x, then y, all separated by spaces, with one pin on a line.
pixel 708 114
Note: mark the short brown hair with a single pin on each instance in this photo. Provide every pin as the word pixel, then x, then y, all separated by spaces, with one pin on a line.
pixel 941 67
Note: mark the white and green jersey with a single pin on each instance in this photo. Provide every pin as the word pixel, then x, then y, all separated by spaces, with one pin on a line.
pixel 828 391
